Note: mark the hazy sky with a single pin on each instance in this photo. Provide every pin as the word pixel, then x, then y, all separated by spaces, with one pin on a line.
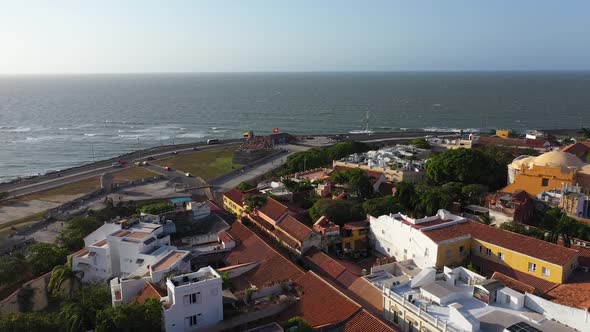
pixel 86 36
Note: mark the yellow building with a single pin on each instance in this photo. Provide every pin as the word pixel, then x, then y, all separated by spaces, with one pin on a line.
pixel 551 170
pixel 493 249
pixel 354 238
pixel 504 133
pixel 233 202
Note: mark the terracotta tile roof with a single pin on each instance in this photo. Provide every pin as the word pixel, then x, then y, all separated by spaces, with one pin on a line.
pixel 137 235
pixel 295 228
pixel 261 222
pixel 517 142
pixel 347 278
pixel 150 291
pixel 323 263
pixel 365 290
pixel 584 252
pixel 489 267
pixel 169 260
pixel 121 233
pixel 320 303
pixel 364 321
pixel 576 293
pixel 540 249
pixel 356 225
pixel 235 196
pixel 225 237
pixel 273 209
pixel 513 283
pixel 286 239
pixel 580 149
pixel 250 248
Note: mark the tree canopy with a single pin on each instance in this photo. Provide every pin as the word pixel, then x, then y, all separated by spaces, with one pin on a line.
pixel 244 185
pixel 146 317
pixel 466 166
pixel 44 256
pixel 420 143
pixel 357 181
pixel 338 211
pixel 253 202
pixel 381 205
pixel 156 208
pixel 319 157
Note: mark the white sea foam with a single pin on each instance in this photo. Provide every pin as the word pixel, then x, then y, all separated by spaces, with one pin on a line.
pixel 191 135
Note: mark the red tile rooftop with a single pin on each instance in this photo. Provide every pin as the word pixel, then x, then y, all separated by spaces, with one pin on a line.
pixel 168 261
pixel 100 243
pixel 540 249
pixel 295 228
pixel 81 253
pixel 121 233
pixel 324 263
pixel 320 304
pixel 364 321
pixel 251 248
pixel 273 209
pixel 513 283
pixel 356 225
pixel 576 293
pixel 235 196
pixel 137 235
pixel 150 291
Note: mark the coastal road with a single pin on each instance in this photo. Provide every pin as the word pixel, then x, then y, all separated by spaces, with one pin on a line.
pixel 76 174
pixel 250 173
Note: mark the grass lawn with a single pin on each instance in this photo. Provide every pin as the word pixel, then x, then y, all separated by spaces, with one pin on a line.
pixel 74 188
pixel 132 174
pixel 205 164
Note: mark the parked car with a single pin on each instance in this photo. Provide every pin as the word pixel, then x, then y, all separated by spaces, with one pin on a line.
pixel 116 164
pixel 175 152
pixel 188 174
pixel 168 168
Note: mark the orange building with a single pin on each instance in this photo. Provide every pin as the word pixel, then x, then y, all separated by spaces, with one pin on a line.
pixel 551 170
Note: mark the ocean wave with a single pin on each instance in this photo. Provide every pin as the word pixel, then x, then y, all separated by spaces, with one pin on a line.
pixel 90 135
pixel 16 129
pixel 191 135
pixel 130 136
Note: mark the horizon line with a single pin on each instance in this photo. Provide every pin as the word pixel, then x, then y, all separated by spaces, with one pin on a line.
pixel 305 72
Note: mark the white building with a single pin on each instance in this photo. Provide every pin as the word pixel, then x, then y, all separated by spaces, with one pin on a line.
pixel 399 236
pixel 456 300
pixel 123 249
pixel 190 301
pixel 194 300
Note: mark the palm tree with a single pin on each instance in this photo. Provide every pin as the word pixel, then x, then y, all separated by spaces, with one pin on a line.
pixel 486 219
pixel 73 317
pixel 64 274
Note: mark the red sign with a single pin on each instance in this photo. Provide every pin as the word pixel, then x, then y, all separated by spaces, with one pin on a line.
pixel 276 130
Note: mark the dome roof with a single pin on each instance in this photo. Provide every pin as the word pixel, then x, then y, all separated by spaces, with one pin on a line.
pixel 558 159
pixel 522 160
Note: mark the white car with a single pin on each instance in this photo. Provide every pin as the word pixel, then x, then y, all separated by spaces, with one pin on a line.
pixel 188 174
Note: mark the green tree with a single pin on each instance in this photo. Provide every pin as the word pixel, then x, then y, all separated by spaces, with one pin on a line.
pixel 420 143
pixel 31 322
pixel 473 193
pixel 43 257
pixel 486 219
pixel 12 269
pixel 145 317
pixel 156 208
pixel 244 185
pixel 462 165
pixel 406 196
pixel 297 186
pixel 337 210
pixel 357 181
pixel 381 206
pixel 560 226
pixel 79 313
pixel 72 235
pixel 253 202
pixel 63 275
pixel 317 157
pixel 299 323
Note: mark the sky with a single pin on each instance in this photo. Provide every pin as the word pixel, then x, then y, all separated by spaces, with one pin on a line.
pixel 144 36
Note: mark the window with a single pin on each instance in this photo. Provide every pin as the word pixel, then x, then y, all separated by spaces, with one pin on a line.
pixel 425 252
pixel 488 251
pixel 546 272
pixel 387 249
pixel 532 267
pixel 194 298
pixel 382 231
pixel 192 320
pixel 500 256
pixel 545 182
pixel 480 249
pixel 395 318
pixel 461 250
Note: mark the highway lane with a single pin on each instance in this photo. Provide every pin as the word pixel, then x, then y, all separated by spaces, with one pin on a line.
pixel 88 171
